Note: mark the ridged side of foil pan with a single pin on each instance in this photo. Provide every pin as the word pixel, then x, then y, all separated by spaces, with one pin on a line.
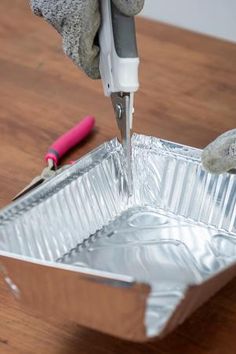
pixel 177 233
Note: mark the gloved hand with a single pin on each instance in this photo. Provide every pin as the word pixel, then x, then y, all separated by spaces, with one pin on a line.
pixel 78 22
pixel 220 155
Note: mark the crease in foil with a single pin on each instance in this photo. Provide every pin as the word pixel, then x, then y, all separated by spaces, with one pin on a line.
pixel 177 229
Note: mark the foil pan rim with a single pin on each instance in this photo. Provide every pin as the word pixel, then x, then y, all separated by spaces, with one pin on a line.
pixel 71 172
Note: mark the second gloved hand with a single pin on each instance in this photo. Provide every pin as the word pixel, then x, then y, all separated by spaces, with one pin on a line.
pixel 220 155
pixel 78 22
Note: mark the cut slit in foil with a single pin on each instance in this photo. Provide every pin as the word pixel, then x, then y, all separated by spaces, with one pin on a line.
pixel 157 255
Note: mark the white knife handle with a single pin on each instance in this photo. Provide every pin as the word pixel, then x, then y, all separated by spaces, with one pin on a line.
pixel 118 51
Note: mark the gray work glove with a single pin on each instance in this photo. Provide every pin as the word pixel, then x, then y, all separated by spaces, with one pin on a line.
pixel 78 22
pixel 220 155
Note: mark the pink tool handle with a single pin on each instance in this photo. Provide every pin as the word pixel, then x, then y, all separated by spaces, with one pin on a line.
pixel 71 138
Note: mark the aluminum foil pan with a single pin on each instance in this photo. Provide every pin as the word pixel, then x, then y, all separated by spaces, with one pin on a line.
pixel 77 247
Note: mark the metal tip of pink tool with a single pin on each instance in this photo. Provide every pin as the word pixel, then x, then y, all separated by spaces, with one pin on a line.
pixel 58 149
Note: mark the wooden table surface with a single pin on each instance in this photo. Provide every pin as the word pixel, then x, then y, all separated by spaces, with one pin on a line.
pixel 187 94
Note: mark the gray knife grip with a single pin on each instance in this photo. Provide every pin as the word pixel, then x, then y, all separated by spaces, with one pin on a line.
pixel 124 34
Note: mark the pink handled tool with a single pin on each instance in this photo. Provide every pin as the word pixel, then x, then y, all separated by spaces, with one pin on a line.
pixel 70 139
pixel 58 149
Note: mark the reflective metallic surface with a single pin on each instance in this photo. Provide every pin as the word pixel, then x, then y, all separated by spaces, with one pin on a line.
pixel 165 252
pixel 123 107
pixel 176 234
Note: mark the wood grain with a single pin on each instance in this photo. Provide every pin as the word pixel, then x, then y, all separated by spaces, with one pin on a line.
pixel 187 94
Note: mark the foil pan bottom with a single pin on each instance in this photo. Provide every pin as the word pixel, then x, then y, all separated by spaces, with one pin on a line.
pixel 158 249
